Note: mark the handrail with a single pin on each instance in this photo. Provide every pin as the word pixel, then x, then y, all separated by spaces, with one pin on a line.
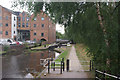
pixel 107 74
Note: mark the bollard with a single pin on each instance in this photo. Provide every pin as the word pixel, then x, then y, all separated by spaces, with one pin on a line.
pixel 63 59
pixel 61 68
pixel 48 66
pixel 67 65
pixel 63 64
pixel 90 65
pixel 54 66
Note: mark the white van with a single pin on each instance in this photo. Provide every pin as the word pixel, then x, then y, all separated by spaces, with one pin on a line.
pixel 7 42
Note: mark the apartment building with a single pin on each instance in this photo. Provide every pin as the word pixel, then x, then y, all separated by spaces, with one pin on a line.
pixel 8 23
pixel 22 26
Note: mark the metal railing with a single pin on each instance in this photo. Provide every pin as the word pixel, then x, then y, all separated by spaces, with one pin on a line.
pixel 104 75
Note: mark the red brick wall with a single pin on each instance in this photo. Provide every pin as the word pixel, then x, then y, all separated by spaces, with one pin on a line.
pixel 21 21
pixel 5 28
pixel 52 32
pixel 39 29
pixel 49 32
pixel 1 20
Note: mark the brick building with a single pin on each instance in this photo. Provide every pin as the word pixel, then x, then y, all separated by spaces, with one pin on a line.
pixel 22 26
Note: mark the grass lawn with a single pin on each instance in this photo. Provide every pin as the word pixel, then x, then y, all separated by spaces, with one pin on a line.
pixel 2 52
pixel 64 55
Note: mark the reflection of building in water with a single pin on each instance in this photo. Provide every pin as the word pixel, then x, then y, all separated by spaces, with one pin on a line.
pixel 34 62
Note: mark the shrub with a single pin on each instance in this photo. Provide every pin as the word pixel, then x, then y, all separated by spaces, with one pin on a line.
pixel 6 48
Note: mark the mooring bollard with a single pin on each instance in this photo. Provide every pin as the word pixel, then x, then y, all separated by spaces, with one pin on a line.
pixel 54 66
pixel 61 68
pixel 67 65
pixel 48 66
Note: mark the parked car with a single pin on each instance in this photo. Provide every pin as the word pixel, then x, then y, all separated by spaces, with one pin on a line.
pixel 7 42
pixel 30 42
pixel 20 42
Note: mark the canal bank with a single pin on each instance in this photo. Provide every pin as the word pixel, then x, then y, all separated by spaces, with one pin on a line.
pixel 20 65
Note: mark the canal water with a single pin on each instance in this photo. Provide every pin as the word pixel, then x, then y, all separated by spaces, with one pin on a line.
pixel 18 66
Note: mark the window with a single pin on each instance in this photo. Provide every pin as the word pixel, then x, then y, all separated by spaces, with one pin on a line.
pixel 34 40
pixel 42 18
pixel 42 25
pixel 14 19
pixel 14 25
pixel 1 32
pixel 19 18
pixel 6 17
pixel 42 34
pixel 23 25
pixel 27 18
pixel 35 19
pixel 35 34
pixel 6 33
pixel 0 24
pixel 19 25
pixel 34 25
pixel 26 24
pixel 0 17
pixel 6 24
pixel 14 32
pixel 23 18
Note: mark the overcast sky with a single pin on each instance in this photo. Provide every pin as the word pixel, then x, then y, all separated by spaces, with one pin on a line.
pixel 8 4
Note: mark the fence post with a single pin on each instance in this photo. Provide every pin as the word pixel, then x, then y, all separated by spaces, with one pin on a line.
pixel 48 66
pixel 103 75
pixel 118 77
pixel 90 65
pixel 54 66
pixel 61 68
pixel 95 74
pixel 67 65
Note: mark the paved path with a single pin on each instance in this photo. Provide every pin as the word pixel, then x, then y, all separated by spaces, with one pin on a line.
pixel 76 70
pixel 74 61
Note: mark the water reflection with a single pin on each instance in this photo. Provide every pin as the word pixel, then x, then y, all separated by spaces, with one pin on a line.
pixel 20 65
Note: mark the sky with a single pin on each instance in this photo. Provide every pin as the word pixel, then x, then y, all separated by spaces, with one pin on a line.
pixel 8 4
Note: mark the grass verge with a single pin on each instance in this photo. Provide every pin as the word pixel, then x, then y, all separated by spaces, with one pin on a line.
pixel 83 58
pixel 64 55
pixel 82 55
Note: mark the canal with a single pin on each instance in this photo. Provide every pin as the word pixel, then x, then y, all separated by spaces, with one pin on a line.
pixel 18 66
